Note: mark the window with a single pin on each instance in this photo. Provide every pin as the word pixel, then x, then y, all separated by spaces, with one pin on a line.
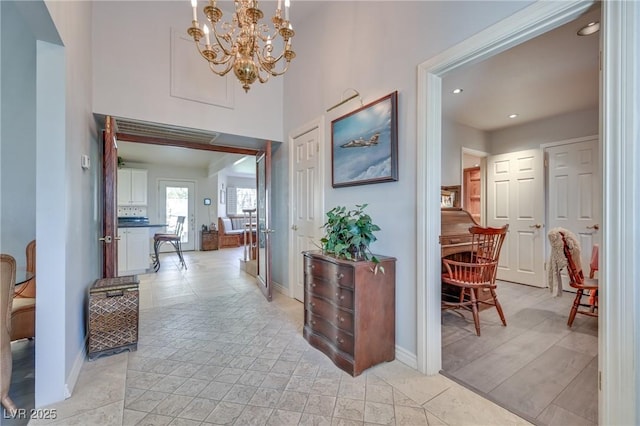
pixel 239 199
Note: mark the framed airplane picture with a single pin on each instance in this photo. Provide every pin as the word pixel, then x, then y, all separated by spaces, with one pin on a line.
pixel 364 144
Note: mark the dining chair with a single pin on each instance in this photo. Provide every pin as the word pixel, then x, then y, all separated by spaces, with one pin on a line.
pixel 7 284
pixel 174 239
pixel 580 283
pixel 476 274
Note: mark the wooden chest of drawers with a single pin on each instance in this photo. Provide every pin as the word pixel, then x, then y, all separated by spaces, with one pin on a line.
pixel 349 312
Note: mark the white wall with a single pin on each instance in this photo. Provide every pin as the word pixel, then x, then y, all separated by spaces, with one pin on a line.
pixel 132 65
pixel 375 50
pixel 18 135
pixel 531 135
pixel 455 136
pixel 83 204
pixel 47 124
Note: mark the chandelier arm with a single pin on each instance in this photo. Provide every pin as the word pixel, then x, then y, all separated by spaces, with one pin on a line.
pixel 224 71
pixel 219 41
pixel 277 73
pixel 276 61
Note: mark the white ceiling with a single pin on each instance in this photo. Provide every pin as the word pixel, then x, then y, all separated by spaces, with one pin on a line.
pixel 552 74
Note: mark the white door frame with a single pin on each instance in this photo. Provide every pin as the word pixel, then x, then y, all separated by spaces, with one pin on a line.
pixel 305 128
pixel 483 178
pixel 618 343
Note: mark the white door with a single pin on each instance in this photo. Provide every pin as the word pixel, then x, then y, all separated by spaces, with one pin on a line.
pixel 515 196
pixel 574 193
pixel 306 213
pixel 263 184
pixel 177 198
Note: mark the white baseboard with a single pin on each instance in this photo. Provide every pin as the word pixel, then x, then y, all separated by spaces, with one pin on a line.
pixel 72 379
pixel 406 357
pixel 280 288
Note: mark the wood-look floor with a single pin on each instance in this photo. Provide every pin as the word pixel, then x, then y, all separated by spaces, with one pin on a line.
pixel 536 366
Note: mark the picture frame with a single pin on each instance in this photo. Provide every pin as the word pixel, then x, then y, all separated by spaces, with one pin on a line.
pixel 364 144
pixel 450 197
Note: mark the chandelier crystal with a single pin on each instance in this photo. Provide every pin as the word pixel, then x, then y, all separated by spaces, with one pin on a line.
pixel 244 44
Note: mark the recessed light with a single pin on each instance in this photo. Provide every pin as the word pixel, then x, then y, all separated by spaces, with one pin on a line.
pixel 513 115
pixel 456 91
pixel 590 28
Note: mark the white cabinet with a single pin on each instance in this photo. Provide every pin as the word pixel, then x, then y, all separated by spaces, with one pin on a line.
pixel 132 187
pixel 133 250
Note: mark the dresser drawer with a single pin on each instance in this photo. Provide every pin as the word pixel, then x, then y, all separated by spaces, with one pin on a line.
pixel 341 296
pixel 337 274
pixel 339 338
pixel 339 317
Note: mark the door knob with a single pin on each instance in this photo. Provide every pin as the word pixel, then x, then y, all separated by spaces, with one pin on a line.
pixel 537 226
pixel 596 227
pixel 294 227
pixel 106 239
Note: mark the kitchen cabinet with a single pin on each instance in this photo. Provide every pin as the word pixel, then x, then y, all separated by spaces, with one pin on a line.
pixel 349 310
pixel 133 250
pixel 132 187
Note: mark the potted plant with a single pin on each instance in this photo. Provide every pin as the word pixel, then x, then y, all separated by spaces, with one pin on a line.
pixel 348 234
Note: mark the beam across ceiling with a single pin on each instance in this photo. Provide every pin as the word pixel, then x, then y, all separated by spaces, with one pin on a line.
pixel 125 137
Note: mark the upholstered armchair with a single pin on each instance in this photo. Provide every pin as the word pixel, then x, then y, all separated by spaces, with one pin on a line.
pixel 23 313
pixel 7 284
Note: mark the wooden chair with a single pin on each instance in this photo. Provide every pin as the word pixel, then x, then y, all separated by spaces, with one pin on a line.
pixel 477 274
pixel 23 312
pixel 7 284
pixel 580 283
pixel 174 239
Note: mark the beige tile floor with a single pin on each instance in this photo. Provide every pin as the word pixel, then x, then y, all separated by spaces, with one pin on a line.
pixel 213 351
pixel 536 366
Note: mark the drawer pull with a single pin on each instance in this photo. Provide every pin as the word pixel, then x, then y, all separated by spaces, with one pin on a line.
pixel 339 297
pixel 313 322
pixel 313 305
pixel 313 284
pixel 340 276
pixel 339 340
pixel 339 318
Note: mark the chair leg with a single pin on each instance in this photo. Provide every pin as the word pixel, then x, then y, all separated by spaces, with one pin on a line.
pixel 498 307
pixel 178 246
pixel 574 308
pixel 156 257
pixel 474 309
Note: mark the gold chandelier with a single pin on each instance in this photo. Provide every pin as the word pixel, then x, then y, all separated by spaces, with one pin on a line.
pixel 244 44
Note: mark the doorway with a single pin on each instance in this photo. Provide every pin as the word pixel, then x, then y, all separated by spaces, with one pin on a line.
pixel 177 198
pixel 514 30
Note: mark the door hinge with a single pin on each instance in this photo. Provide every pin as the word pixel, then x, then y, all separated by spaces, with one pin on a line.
pixel 600 380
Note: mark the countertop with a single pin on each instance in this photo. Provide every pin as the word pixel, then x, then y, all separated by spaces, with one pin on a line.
pixel 140 225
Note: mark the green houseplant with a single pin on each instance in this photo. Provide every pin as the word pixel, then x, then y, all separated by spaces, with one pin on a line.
pixel 348 234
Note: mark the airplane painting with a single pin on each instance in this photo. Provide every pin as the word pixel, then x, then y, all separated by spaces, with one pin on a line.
pixel 361 142
pixel 371 135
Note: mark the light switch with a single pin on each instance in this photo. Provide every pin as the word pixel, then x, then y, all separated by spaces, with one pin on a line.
pixel 85 162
